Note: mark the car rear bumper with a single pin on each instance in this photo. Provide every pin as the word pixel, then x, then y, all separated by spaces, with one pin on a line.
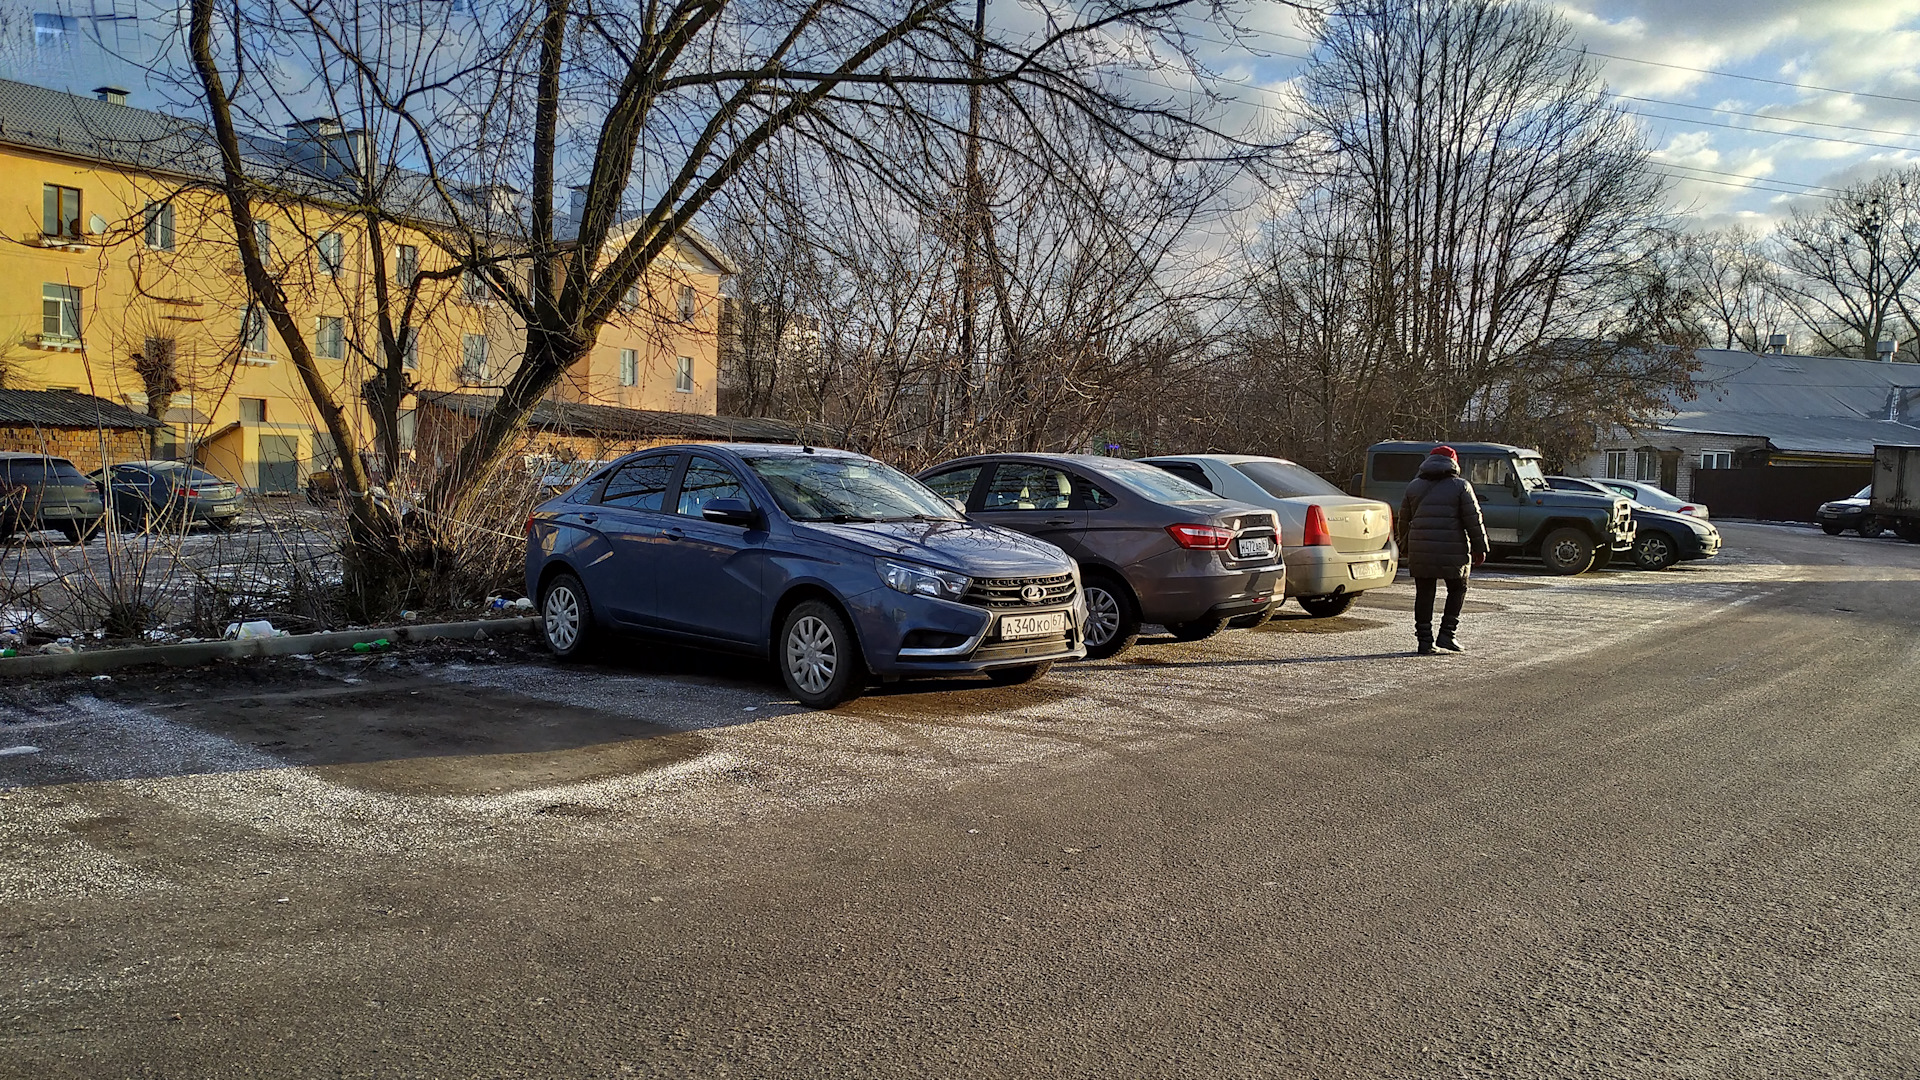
pixel 903 635
pixel 1323 571
pixel 1186 586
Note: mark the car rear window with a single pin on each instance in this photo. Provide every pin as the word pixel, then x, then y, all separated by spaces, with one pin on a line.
pixel 44 471
pixel 1148 482
pixel 1285 479
pixel 1396 468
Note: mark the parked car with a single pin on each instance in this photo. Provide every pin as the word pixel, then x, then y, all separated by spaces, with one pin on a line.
pixel 1652 495
pixel 836 566
pixel 1571 531
pixel 561 475
pixel 1336 545
pixel 1151 547
pixel 42 492
pixel 1853 513
pixel 1661 538
pixel 148 492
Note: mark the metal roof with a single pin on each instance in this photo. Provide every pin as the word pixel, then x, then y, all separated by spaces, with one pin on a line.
pixel 67 409
pixel 571 417
pixel 1800 404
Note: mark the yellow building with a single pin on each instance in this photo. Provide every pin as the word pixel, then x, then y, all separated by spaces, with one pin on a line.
pixel 119 277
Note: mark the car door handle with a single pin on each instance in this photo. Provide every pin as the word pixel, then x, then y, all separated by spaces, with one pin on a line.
pixel 589 518
pixel 675 534
pixel 1060 521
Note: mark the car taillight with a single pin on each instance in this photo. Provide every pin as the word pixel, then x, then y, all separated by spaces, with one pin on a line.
pixel 1315 533
pixel 530 520
pixel 184 493
pixel 1201 537
pixel 1688 510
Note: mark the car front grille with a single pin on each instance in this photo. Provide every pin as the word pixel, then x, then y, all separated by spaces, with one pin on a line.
pixel 1001 593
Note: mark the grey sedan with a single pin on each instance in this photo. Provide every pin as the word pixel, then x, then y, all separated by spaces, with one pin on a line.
pixel 146 493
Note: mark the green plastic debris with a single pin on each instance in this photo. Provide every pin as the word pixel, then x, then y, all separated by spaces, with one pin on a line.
pixel 377 645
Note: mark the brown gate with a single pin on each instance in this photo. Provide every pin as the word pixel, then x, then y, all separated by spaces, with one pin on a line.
pixel 1776 492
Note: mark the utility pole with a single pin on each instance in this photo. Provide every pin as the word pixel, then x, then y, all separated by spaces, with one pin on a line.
pixel 973 227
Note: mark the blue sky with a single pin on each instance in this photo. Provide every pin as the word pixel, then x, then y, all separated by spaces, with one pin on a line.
pixel 1739 149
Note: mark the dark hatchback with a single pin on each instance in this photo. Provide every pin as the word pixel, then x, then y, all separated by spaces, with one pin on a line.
pixel 837 566
pixel 146 493
pixel 1153 547
pixel 42 492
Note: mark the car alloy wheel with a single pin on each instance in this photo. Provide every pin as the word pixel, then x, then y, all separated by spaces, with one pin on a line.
pixel 812 654
pixel 1103 616
pixel 566 617
pixel 1654 551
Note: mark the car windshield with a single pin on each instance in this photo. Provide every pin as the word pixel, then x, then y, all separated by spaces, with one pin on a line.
pixel 1151 482
pixel 1656 498
pixel 1528 470
pixel 1574 483
pixel 1864 493
pixel 829 487
pixel 1285 479
pixel 172 469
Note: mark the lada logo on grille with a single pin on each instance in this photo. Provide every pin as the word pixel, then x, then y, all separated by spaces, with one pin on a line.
pixel 1033 594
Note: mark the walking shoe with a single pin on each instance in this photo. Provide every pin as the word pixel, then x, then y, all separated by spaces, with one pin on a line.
pixel 1427 649
pixel 1446 642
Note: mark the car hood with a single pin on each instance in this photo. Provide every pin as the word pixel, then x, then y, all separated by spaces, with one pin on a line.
pixel 967 547
pixel 1847 504
pixel 1649 514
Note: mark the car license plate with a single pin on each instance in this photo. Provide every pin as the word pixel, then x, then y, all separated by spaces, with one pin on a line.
pixel 1026 626
pixel 1369 569
pixel 1254 547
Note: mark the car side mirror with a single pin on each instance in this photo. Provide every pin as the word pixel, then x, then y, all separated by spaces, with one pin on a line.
pixel 958 504
pixel 731 512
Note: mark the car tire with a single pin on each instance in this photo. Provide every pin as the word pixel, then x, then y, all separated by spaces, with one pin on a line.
pixel 1254 621
pixel 1602 558
pixel 1327 607
pixel 1020 675
pixel 1908 529
pixel 1198 629
pixel 566 618
pixel 1870 526
pixel 1834 528
pixel 77 533
pixel 818 657
pixel 1113 617
pixel 1567 551
pixel 223 524
pixel 1655 551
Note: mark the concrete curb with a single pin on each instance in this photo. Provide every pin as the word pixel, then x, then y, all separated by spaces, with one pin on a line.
pixel 200 652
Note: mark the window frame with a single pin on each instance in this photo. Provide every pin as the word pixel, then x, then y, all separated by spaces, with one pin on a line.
pixel 1617 463
pixel 321 325
pixel 242 406
pixel 680 482
pixel 1717 455
pixel 54 198
pixel 469 372
pixel 675 462
pixel 160 234
pixel 973 489
pixel 330 254
pixel 409 348
pixel 683 375
pixel 687 304
pixel 1076 499
pixel 254 318
pixel 406 263
pixel 66 316
pixel 629 367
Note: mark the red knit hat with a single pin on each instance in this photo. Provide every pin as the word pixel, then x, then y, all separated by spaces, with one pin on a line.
pixel 1445 451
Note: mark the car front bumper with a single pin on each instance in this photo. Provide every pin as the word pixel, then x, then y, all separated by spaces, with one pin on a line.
pixel 906 635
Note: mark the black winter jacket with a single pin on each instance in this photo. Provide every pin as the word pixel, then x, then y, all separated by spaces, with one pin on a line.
pixel 1440 526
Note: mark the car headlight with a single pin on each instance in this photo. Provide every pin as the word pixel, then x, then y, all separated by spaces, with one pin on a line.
pixel 922 580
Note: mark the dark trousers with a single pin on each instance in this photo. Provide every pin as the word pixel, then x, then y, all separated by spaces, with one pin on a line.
pixel 1424 589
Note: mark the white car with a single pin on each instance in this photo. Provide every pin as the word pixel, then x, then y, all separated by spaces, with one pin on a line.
pixel 1652 497
pixel 1336 545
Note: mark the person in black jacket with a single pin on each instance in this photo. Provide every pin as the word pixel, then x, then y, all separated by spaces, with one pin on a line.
pixel 1442 538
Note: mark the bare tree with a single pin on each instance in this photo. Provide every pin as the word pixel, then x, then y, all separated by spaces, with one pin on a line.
pixel 1849 265
pixel 1735 281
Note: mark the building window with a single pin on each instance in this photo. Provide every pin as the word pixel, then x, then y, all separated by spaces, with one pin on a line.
pixel 406 263
pixel 60 311
pixel 253 410
pixel 160 226
pixel 410 348
pixel 631 298
pixel 60 211
pixel 1617 465
pixel 687 303
pixel 683 374
pixel 1716 459
pixel 473 358
pixel 1646 466
pixel 406 428
pixel 474 287
pixel 52 32
pixel 330 337
pixel 629 367
pixel 263 239
pixel 330 252
pixel 253 330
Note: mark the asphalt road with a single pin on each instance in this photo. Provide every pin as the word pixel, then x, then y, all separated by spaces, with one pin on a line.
pixel 1654 825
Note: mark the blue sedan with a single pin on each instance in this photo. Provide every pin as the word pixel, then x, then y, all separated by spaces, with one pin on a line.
pixel 838 567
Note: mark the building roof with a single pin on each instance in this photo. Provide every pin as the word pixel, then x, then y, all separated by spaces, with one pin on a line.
pixel 67 409
pixel 570 417
pixel 1801 404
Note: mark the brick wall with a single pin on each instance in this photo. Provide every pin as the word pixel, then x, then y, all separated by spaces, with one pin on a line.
pixel 82 446
pixel 439 434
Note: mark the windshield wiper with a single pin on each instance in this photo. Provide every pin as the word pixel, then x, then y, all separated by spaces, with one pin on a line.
pixel 847 519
